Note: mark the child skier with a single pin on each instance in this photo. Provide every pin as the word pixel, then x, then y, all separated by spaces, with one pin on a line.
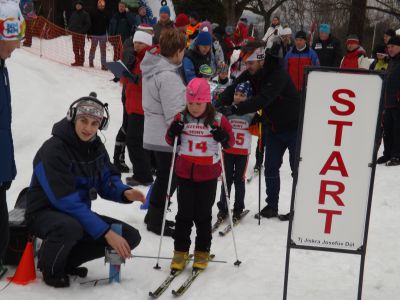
pixel 236 158
pixel 199 129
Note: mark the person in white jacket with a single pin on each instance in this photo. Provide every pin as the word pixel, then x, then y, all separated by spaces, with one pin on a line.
pixel 273 31
pixel 163 97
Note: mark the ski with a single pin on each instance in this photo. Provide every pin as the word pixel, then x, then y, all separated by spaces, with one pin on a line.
pixel 166 283
pixel 228 228
pixel 217 224
pixel 3 271
pixel 188 282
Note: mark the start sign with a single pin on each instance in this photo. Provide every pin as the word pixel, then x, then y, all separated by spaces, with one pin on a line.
pixel 335 161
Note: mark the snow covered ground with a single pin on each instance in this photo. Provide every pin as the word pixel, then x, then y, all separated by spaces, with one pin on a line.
pixel 42 92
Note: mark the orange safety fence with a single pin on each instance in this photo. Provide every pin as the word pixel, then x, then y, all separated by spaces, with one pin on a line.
pixel 58 44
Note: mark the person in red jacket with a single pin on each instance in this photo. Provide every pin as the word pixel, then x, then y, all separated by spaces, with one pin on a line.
pixel 199 129
pixel 356 57
pixel 140 158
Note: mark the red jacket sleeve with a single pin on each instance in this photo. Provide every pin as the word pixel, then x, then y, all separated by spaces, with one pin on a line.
pixel 225 125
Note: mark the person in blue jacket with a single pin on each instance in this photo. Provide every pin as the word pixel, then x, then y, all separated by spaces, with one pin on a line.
pixel 70 170
pixel 13 30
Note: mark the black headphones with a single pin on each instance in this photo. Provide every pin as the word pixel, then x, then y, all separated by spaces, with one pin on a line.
pixel 71 114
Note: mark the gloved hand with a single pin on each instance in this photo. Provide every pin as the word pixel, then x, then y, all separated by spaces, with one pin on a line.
pixel 228 110
pixel 5 185
pixel 219 135
pixel 175 129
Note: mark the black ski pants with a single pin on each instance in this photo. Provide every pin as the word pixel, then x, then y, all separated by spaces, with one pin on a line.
pixel 120 140
pixel 65 243
pixel 139 156
pixel 235 170
pixel 160 186
pixel 195 202
pixel 391 132
pixel 4 230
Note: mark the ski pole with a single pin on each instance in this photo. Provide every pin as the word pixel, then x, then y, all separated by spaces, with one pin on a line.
pixel 169 258
pixel 171 173
pixel 237 262
pixel 259 171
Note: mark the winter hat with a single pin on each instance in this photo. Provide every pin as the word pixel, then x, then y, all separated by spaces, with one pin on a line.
pixel 394 40
pixel 244 88
pixel 380 49
pixel 146 28
pixel 165 10
pixel 325 28
pixel 203 39
pixel 78 2
pixel 301 35
pixel 89 108
pixel 286 31
pixel 206 25
pixel 254 55
pixel 390 32
pixel 352 39
pixel 181 20
pixel 12 23
pixel 229 29
pixel 143 37
pixel 198 90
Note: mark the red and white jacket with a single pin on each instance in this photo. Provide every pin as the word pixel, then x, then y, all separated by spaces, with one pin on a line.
pixel 240 127
pixel 198 158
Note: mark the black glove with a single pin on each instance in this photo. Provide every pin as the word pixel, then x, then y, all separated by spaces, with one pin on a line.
pixel 5 185
pixel 131 77
pixel 228 110
pixel 175 129
pixel 220 135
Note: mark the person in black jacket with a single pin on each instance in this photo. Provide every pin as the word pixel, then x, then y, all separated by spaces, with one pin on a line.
pixel 70 170
pixel 391 117
pixel 79 24
pixel 276 94
pixel 100 22
pixel 328 48
pixel 122 24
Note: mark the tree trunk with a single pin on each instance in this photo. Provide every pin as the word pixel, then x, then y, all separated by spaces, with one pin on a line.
pixel 357 17
pixel 229 9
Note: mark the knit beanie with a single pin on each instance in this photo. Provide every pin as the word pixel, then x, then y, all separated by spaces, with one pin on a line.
pixel 203 39
pixel 12 23
pixel 352 39
pixel 165 10
pixel 143 37
pixel 204 25
pixel 198 90
pixel 146 28
pixel 181 20
pixel 394 40
pixel 244 88
pixel 390 32
pixel 325 28
pixel 89 108
pixel 301 35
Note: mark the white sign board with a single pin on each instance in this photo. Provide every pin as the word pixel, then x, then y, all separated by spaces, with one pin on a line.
pixel 331 195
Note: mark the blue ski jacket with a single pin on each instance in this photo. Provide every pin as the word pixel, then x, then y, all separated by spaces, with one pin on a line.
pixel 7 162
pixel 67 176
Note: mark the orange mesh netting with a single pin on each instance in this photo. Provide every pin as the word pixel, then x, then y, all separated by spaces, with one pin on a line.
pixel 55 43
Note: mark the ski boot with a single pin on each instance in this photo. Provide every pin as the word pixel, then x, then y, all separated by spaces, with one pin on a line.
pixel 394 161
pixel 201 259
pixel 237 215
pixel 221 216
pixel 268 212
pixel 179 260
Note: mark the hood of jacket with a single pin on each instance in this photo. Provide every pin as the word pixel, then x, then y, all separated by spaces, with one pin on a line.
pixel 153 64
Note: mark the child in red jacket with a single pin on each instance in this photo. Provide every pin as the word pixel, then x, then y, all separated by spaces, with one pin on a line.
pixel 199 129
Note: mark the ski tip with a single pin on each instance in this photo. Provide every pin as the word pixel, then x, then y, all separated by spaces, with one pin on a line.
pixel 175 293
pixel 221 233
pixel 152 295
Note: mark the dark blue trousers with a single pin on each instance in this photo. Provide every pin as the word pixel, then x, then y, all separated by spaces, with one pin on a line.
pixel 275 147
